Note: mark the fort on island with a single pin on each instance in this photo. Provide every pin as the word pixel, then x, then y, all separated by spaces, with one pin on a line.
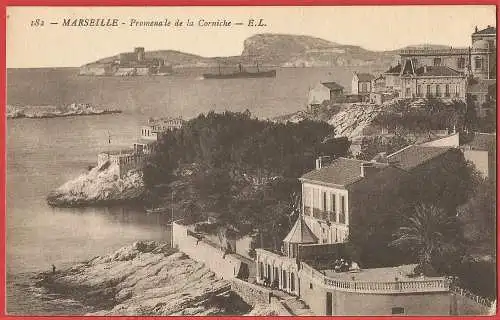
pixel 465 74
pixel 134 158
pixel 134 63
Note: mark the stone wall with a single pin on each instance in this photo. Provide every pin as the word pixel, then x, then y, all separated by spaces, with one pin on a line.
pixel 251 293
pixel 226 266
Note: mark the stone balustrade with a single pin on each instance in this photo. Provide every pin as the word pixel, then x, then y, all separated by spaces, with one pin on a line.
pixel 378 287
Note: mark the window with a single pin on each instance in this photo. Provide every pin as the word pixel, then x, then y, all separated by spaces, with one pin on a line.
pixel 364 87
pixel 478 63
pixel 324 201
pixel 307 200
pixel 461 63
pixel 429 92
pixel 342 210
pixel 408 92
pixel 419 90
pixel 310 285
pixel 398 310
pixel 438 90
pixel 447 90
pixel 437 61
pixel 332 208
pixel 315 199
pixel 457 92
pixel 284 279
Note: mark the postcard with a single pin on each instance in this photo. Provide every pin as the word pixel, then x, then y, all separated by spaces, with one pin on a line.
pixel 265 161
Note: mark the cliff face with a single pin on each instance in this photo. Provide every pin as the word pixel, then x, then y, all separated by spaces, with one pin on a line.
pixel 99 185
pixel 306 51
pixel 146 278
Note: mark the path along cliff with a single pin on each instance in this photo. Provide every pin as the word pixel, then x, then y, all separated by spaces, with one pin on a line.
pixel 147 278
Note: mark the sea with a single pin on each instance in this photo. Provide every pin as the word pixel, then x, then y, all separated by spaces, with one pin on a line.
pixel 42 154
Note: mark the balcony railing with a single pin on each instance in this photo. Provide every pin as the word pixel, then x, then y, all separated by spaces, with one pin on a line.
pixel 378 287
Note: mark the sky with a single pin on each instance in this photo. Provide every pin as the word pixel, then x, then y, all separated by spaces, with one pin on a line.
pixel 371 27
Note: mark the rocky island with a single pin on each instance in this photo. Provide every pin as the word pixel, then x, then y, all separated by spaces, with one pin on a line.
pixel 49 111
pixel 147 278
pixel 101 185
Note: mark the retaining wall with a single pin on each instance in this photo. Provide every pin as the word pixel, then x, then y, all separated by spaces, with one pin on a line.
pixel 225 266
pixel 251 293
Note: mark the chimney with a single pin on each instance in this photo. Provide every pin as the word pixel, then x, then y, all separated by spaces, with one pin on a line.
pixel 322 161
pixel 475 29
pixel 364 168
pixel 318 163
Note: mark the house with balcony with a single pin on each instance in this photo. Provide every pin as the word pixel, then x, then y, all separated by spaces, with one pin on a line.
pixel 334 195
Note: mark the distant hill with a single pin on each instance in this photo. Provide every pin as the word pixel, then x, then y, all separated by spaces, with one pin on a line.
pixel 282 50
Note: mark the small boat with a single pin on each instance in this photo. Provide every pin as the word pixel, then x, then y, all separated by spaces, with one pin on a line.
pixel 241 74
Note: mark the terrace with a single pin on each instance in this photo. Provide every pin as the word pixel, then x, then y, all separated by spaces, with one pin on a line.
pixel 393 280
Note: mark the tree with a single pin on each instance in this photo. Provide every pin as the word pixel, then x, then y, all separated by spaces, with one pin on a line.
pixel 428 234
pixel 479 218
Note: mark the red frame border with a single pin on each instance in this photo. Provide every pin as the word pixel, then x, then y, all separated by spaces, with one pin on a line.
pixel 110 3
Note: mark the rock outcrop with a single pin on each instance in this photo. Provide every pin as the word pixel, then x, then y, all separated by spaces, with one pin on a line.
pixel 74 109
pixel 352 119
pixel 349 120
pixel 146 278
pixel 100 185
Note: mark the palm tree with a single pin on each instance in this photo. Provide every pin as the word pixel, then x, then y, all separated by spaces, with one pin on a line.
pixel 428 233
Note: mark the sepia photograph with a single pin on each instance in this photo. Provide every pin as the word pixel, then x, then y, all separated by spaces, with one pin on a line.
pixel 251 160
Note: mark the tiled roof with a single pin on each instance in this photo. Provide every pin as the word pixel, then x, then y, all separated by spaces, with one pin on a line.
pixel 332 85
pixel 363 77
pixel 488 30
pixel 437 71
pixel 300 233
pixel 413 156
pixel 341 171
pixel 395 69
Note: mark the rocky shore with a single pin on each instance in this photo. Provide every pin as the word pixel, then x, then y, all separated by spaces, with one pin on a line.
pixel 74 109
pixel 146 278
pixel 101 185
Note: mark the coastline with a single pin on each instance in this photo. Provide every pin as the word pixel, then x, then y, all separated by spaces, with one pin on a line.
pixel 64 115
pixel 100 186
pixel 145 278
pixel 42 112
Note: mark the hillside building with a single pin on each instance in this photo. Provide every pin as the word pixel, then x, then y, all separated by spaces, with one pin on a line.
pixel 333 195
pixel 361 84
pixel 448 73
pixel 143 148
pixel 324 91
